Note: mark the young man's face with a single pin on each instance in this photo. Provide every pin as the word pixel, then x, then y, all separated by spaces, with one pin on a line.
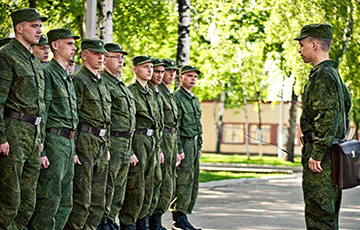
pixel 188 80
pixel 306 49
pixel 158 75
pixel 169 76
pixel 144 71
pixel 94 59
pixel 31 31
pixel 66 48
pixel 41 52
pixel 114 62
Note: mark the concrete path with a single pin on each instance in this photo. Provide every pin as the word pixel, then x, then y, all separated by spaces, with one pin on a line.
pixel 261 204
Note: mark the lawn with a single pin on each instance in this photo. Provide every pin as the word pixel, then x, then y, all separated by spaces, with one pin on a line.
pixel 213 176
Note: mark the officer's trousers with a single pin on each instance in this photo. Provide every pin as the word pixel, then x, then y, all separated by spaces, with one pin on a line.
pixel 89 182
pixel 19 174
pixel 187 182
pixel 55 186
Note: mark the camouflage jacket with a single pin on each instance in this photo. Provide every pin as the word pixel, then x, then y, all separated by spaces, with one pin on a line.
pixel 169 105
pixel 159 112
pixel 189 116
pixel 325 102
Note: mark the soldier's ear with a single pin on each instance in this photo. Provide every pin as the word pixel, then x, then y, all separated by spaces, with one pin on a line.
pixel 54 45
pixel 134 69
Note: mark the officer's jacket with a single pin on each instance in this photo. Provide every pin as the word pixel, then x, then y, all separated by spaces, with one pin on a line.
pixel 325 101
pixel 169 105
pixel 189 117
pixel 22 83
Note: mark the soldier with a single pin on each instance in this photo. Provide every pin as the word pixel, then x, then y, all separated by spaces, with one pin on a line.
pixel 91 159
pixel 122 129
pixel 55 186
pixel 168 145
pixel 41 50
pixel 21 110
pixel 4 41
pixel 146 145
pixel 326 102
pixel 189 147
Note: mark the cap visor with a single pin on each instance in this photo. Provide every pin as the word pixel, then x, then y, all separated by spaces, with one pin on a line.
pixel 144 62
pixel 171 67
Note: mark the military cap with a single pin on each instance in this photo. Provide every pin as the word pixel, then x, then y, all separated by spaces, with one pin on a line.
pixel 158 62
pixel 42 41
pixel 113 47
pixel 141 59
pixel 4 41
pixel 316 31
pixel 26 14
pixel 188 68
pixel 170 64
pixel 61 33
pixel 93 44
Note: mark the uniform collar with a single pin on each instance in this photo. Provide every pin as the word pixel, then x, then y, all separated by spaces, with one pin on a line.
pixel 21 48
pixel 325 63
pixel 59 68
pixel 186 93
pixel 141 88
pixel 111 77
pixel 163 86
pixel 155 88
pixel 90 74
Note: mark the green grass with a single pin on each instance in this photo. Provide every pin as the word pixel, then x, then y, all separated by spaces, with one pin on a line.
pixel 242 159
pixel 214 176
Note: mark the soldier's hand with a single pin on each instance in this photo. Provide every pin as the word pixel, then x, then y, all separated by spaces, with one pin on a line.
pixel 182 156
pixel 315 166
pixel 44 162
pixel 108 155
pixel 133 160
pixel 5 149
pixel 178 160
pixel 162 158
pixel 77 160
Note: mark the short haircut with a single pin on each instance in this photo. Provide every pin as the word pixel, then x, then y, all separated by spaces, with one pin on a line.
pixel 21 24
pixel 324 43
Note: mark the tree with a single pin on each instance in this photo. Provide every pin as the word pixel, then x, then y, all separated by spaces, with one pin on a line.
pixel 106 18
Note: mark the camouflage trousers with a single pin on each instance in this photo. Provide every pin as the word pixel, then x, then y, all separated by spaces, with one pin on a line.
pixel 157 186
pixel 89 182
pixel 55 186
pixel 187 182
pixel 322 200
pixel 140 182
pixel 168 172
pixel 117 177
pixel 19 174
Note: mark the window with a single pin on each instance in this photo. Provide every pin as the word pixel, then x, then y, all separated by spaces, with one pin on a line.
pixel 264 134
pixel 233 133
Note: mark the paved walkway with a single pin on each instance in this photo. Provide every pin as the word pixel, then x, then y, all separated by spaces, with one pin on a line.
pixel 261 204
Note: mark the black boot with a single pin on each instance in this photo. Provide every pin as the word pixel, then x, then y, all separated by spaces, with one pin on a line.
pixel 128 227
pixel 178 222
pixel 143 224
pixel 188 224
pixel 103 226
pixel 155 222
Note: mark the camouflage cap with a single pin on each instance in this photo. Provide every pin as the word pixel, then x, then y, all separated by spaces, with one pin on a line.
pixel 170 64
pixel 113 47
pixel 4 41
pixel 93 44
pixel 61 33
pixel 26 14
pixel 316 31
pixel 42 41
pixel 188 68
pixel 158 62
pixel 141 59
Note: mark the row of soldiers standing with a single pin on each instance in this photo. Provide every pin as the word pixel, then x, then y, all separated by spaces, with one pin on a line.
pixel 125 142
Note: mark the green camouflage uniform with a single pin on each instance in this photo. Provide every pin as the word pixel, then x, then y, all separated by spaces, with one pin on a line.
pixel 122 120
pixel 157 172
pixel 21 90
pixel 189 142
pixel 323 116
pixel 94 104
pixel 145 148
pixel 169 148
pixel 55 186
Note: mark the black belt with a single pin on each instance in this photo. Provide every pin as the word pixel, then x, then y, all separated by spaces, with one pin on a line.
pixel 62 132
pixel 92 130
pixel 127 135
pixel 26 117
pixel 147 132
pixel 307 138
pixel 172 130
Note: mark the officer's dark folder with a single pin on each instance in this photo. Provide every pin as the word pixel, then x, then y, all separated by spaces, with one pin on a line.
pixel 346 164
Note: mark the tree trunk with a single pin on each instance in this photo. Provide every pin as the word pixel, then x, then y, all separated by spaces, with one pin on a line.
pixel 32 3
pixel 290 143
pixel 183 47
pixel 259 128
pixel 219 123
pixel 348 31
pixel 89 25
pixel 246 118
pixel 281 123
pixel 106 20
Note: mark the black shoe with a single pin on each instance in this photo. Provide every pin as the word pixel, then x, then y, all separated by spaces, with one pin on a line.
pixel 178 222
pixel 143 224
pixel 188 224
pixel 127 227
pixel 155 222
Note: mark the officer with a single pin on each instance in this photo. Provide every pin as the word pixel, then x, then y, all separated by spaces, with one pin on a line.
pixel 158 74
pixel 21 109
pixel 41 50
pixel 168 145
pixel 122 129
pixel 55 186
pixel 326 102
pixel 4 41
pixel 145 146
pixel 91 159
pixel 189 146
